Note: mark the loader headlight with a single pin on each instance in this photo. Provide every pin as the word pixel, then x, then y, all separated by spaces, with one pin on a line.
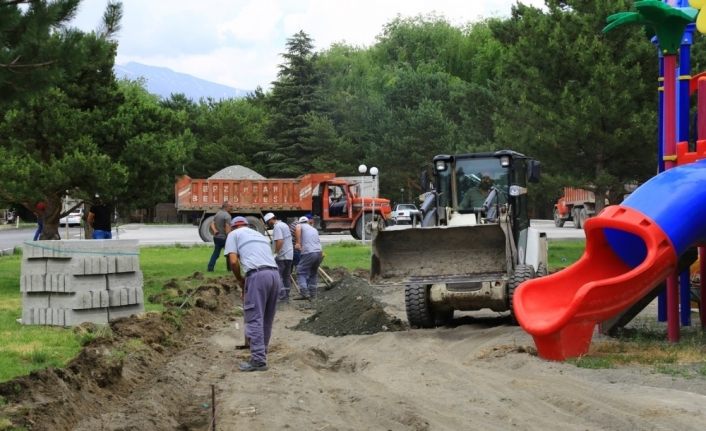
pixel 440 165
pixel 505 161
pixel 517 190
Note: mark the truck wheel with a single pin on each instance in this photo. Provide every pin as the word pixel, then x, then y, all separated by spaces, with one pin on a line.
pixel 204 229
pixel 521 274
pixel 256 223
pixel 577 219
pixel 583 216
pixel 354 232
pixel 416 302
pixel 359 229
pixel 541 270
pixel 558 221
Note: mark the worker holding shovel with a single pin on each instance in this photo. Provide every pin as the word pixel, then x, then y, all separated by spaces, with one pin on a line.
pixel 249 249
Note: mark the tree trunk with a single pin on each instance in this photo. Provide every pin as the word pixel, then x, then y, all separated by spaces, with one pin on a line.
pixel 51 218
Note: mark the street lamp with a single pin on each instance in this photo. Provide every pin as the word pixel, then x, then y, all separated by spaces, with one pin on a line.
pixel 362 169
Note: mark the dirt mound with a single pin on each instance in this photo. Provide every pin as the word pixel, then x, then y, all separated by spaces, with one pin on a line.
pixel 118 359
pixel 349 307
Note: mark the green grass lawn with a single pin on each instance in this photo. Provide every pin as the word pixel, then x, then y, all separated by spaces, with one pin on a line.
pixel 563 253
pixel 27 348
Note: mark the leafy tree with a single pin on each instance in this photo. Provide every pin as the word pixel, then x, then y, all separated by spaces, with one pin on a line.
pixel 582 103
pixel 227 132
pixel 52 142
pixel 154 144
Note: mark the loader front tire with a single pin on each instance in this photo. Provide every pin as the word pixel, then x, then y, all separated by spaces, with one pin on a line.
pixel 522 273
pixel 419 311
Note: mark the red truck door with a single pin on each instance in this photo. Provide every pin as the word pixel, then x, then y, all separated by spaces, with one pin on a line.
pixel 335 202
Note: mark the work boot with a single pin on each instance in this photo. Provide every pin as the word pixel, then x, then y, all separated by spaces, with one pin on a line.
pixel 252 366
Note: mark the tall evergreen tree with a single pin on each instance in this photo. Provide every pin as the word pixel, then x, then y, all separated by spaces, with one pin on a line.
pixel 36 46
pixel 293 97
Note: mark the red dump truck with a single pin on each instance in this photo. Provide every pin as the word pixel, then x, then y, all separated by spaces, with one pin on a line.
pixel 334 202
pixel 577 205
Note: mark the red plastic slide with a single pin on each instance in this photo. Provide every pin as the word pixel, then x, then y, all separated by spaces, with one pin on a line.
pixel 561 310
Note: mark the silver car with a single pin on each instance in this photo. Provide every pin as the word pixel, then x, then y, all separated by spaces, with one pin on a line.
pixel 402 214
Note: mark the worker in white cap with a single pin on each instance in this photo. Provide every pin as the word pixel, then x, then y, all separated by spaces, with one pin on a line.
pixel 284 252
pixel 308 242
pixel 250 250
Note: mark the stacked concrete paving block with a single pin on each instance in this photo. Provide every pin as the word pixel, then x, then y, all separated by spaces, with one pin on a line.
pixel 66 283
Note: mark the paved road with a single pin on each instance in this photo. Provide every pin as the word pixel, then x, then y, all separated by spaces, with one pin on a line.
pixel 188 235
pixel 553 232
pixel 146 234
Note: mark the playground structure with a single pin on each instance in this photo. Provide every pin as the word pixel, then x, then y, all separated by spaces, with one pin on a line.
pixel 633 247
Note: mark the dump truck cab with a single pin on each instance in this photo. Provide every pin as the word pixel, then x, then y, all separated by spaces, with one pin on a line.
pixel 475 244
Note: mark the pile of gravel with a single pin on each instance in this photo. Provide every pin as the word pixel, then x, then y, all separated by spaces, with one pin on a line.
pixel 236 172
pixel 349 307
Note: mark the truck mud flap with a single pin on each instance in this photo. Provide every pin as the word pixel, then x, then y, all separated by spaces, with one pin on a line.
pixel 401 255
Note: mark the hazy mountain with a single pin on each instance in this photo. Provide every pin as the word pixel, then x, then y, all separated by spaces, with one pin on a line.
pixel 164 82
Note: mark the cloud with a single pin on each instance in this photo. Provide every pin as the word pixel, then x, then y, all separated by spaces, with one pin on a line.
pixel 239 42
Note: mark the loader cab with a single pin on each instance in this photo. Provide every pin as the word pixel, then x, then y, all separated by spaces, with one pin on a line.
pixel 484 184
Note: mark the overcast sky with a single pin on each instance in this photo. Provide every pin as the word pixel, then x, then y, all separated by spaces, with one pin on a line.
pixel 239 42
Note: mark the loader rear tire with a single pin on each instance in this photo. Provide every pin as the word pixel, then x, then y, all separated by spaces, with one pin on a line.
pixel 541 270
pixel 419 310
pixel 522 273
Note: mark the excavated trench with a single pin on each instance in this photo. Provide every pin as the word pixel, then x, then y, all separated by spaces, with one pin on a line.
pixel 156 371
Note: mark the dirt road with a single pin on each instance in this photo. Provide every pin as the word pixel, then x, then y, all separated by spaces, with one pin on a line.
pixel 479 375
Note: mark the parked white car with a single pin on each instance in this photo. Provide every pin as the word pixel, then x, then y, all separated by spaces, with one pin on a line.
pixel 402 214
pixel 72 219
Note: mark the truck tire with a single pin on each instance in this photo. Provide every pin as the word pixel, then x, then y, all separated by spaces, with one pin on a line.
pixel 417 305
pixel 583 216
pixel 204 229
pixel 521 274
pixel 354 232
pixel 575 214
pixel 541 270
pixel 558 221
pixel 359 228
pixel 256 223
pixel 420 312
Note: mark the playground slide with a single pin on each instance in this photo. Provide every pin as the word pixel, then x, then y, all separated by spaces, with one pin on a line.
pixel 630 248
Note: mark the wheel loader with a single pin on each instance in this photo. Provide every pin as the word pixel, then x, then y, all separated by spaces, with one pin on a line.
pixel 474 245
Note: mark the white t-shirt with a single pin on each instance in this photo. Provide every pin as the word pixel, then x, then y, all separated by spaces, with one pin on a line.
pixel 281 231
pixel 310 239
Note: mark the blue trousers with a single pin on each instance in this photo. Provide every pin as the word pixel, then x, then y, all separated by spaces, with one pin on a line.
pixel 308 273
pixel 218 245
pixel 259 306
pixel 285 273
pixel 102 234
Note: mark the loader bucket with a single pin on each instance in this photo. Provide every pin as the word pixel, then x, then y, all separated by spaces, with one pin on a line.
pixel 437 252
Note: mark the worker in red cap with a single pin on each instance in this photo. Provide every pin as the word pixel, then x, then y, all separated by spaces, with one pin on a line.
pixel 39 211
pixel 249 252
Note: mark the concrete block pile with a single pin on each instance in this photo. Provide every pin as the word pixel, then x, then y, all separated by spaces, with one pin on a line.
pixel 65 283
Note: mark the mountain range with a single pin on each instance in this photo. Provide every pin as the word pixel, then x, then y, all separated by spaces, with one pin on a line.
pixel 164 82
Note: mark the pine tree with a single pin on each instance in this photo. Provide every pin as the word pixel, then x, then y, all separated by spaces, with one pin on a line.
pixel 293 97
